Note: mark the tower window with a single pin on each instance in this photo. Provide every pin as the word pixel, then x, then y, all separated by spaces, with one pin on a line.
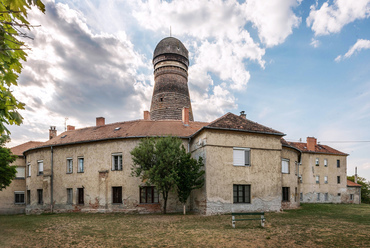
pixel 161 99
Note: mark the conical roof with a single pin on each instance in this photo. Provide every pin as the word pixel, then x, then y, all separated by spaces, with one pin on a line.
pixel 171 45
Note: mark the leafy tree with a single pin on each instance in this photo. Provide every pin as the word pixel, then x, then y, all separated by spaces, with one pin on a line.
pixel 13 18
pixel 156 162
pixel 7 172
pixel 190 176
pixel 365 188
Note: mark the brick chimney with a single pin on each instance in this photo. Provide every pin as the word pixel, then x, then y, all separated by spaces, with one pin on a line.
pixel 146 115
pixel 355 174
pixel 70 128
pixel 100 121
pixel 311 143
pixel 243 114
pixel 185 116
pixel 52 132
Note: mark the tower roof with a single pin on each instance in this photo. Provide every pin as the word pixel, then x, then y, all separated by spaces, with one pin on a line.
pixel 171 45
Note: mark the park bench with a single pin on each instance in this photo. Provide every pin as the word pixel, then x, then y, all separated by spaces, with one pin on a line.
pixel 261 214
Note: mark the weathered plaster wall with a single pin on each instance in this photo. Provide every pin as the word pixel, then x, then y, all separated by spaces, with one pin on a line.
pixel 310 189
pixel 291 179
pixel 7 198
pixel 356 192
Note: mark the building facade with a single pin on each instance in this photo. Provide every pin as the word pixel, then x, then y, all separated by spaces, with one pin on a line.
pixel 248 167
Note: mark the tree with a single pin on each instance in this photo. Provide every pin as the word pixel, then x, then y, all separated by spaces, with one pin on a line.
pixel 190 176
pixel 7 172
pixel 365 188
pixel 155 161
pixel 13 18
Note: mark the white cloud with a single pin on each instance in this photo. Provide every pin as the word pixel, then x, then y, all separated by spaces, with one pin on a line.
pixel 315 43
pixel 361 44
pixel 331 18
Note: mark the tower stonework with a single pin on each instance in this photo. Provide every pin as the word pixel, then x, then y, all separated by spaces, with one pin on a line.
pixel 171 93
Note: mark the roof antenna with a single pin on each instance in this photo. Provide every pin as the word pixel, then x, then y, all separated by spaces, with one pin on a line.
pixel 170 32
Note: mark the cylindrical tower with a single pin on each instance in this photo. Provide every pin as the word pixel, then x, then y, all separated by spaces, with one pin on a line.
pixel 171 93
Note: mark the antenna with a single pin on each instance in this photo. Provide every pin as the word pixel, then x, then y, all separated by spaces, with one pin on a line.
pixel 65 123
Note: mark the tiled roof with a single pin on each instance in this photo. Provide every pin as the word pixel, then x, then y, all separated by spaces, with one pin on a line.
pixel 18 150
pixel 128 129
pixel 353 184
pixel 318 148
pixel 235 122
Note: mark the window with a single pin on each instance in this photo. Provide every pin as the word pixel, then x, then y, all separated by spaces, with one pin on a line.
pixel 69 165
pixel 39 197
pixel 286 197
pixel 242 193
pixel 80 168
pixel 326 179
pixel 80 196
pixel 21 172
pixel 317 179
pixel 19 197
pixel 318 196
pixel 301 196
pixel 325 162
pixel 351 197
pixel 338 179
pixel 295 194
pixel 29 169
pixel 338 194
pixel 317 161
pixel 241 156
pixel 117 161
pixel 296 168
pixel 40 165
pixel 285 166
pixel 28 197
pixel 149 194
pixel 117 194
pixel 338 163
pixel 326 196
pixel 69 196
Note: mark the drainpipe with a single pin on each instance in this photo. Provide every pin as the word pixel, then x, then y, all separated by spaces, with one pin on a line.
pixel 189 145
pixel 51 181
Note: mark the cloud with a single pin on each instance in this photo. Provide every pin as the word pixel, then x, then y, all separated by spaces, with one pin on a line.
pixel 315 43
pixel 332 18
pixel 361 44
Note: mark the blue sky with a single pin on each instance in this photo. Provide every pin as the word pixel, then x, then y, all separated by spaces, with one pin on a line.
pixel 300 67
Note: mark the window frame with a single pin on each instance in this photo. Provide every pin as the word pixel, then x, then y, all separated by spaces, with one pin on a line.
pixel 69 196
pixel 285 194
pixel 338 179
pixel 24 173
pixel 40 197
pixel 351 197
pixel 245 150
pixel 325 162
pixel 40 172
pixel 326 196
pixel 81 196
pixel 246 198
pixel 69 162
pixel 16 193
pixel 318 197
pixel 29 169
pixel 78 165
pixel 28 200
pixel 282 166
pixel 119 166
pixel 144 190
pixel 117 195
pixel 317 178
pixel 317 162
pixel 338 163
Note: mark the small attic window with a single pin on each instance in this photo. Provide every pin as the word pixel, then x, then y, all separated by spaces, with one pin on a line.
pixel 64 136
pixel 117 128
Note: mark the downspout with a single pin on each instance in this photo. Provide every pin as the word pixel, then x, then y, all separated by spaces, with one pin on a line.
pixel 189 145
pixel 51 181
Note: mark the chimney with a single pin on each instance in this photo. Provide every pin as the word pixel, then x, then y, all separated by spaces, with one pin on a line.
pixel 70 128
pixel 52 132
pixel 243 114
pixel 146 115
pixel 185 116
pixel 311 143
pixel 355 174
pixel 100 121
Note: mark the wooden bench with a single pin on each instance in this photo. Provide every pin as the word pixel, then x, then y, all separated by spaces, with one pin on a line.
pixel 262 217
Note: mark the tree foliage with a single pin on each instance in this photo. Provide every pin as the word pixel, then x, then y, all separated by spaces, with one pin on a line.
pixel 161 162
pixel 7 172
pixel 13 19
pixel 365 188
pixel 190 176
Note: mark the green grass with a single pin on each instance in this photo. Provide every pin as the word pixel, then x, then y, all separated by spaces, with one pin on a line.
pixel 313 225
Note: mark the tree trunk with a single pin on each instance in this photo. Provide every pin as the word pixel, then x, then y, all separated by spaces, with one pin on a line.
pixel 165 196
pixel 184 209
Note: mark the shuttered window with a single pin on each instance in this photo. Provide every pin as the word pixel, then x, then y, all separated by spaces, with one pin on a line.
pixel 285 166
pixel 21 172
pixel 241 156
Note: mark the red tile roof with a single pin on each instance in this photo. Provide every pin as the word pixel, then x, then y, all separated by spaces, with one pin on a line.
pixel 353 184
pixel 235 122
pixel 324 149
pixel 18 150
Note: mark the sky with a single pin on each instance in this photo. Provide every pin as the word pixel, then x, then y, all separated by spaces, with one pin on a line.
pixel 300 67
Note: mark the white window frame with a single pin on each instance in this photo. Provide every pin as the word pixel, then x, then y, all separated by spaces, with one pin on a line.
pixel 78 165
pixel 19 193
pixel 40 169
pixel 317 162
pixel 326 179
pixel 119 167
pixel 317 179
pixel 69 165
pixel 325 162
pixel 29 169
pixel 19 169
pixel 285 168
pixel 239 156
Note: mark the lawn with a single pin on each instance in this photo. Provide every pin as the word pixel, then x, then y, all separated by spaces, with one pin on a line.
pixel 313 225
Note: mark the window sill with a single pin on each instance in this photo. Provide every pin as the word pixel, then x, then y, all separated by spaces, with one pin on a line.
pixel 117 170
pixel 117 203
pixel 80 171
pixel 19 178
pixel 69 172
pixel 241 203
pixel 20 203
pixel 144 203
